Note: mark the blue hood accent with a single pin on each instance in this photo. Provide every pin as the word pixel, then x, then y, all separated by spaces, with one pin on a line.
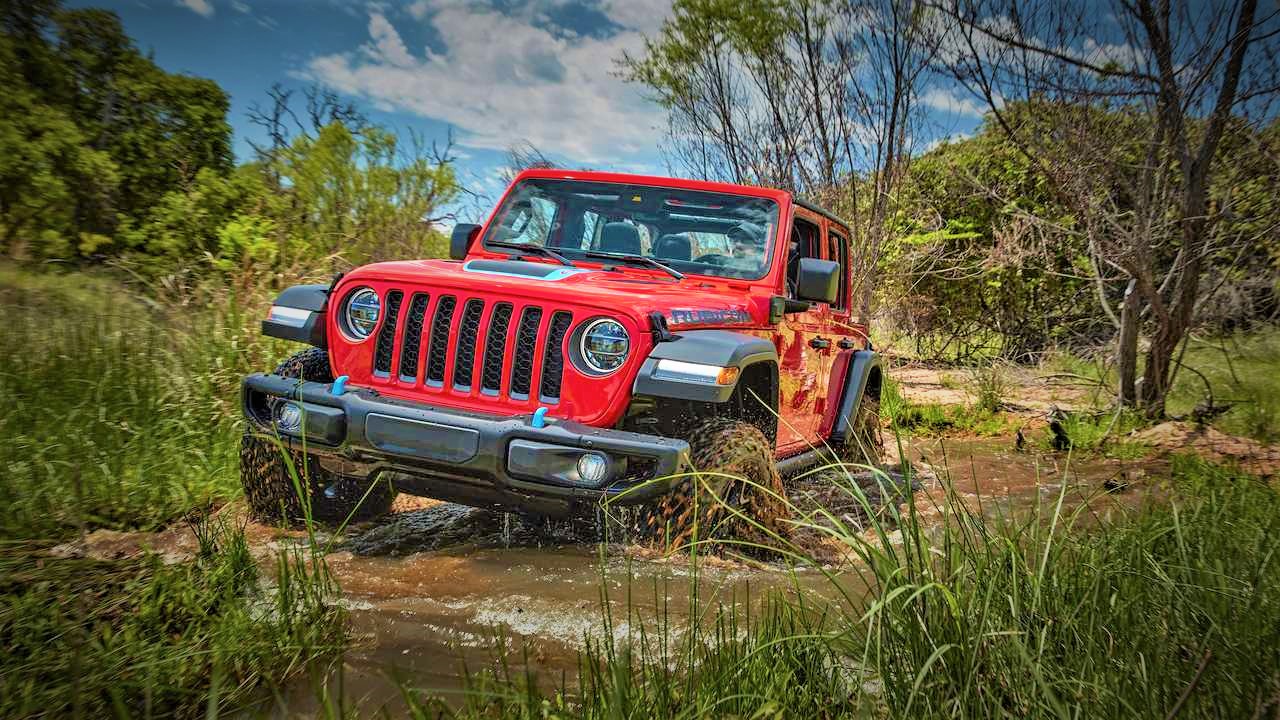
pixel 521 269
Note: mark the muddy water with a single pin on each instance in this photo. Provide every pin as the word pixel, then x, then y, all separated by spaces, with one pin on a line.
pixel 435 587
pixel 440 587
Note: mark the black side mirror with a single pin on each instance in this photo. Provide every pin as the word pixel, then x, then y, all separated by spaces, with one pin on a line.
pixel 460 242
pixel 818 280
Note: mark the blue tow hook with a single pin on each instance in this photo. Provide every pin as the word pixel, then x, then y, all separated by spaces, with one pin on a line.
pixel 539 418
pixel 339 385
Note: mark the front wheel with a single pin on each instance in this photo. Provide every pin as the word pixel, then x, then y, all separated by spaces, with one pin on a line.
pixel 272 485
pixel 733 496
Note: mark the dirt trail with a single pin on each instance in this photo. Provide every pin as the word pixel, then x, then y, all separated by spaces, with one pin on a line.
pixel 1207 442
pixel 1027 392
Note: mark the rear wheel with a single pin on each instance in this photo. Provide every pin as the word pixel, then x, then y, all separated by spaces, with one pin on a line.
pixel 734 493
pixel 866 445
pixel 269 485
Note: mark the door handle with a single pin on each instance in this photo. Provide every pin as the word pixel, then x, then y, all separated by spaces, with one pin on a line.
pixel 847 344
pixel 819 343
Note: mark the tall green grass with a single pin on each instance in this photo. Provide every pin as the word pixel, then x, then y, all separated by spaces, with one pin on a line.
pixel 1243 371
pixel 120 413
pixel 1169 610
pixel 115 413
pixel 139 638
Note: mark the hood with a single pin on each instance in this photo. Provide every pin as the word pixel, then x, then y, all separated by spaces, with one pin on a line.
pixel 503 336
pixel 636 292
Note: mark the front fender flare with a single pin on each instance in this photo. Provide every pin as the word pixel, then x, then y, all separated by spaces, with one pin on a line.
pixel 298 314
pixel 721 348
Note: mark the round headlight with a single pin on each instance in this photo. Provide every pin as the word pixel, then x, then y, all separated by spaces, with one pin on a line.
pixel 605 345
pixel 361 314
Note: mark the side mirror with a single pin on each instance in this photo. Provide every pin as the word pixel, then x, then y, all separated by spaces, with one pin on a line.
pixel 460 242
pixel 818 280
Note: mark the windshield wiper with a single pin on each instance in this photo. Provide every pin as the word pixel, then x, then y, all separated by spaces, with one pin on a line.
pixel 531 248
pixel 636 260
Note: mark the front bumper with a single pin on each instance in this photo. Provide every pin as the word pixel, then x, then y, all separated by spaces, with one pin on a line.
pixel 471 458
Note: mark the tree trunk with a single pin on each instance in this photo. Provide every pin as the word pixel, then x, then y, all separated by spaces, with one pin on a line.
pixel 1128 345
pixel 1155 376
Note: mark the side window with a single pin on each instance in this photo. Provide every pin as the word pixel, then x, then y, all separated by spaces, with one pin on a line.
pixel 839 249
pixel 803 244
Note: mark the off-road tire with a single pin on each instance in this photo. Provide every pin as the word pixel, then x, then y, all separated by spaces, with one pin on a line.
pixel 734 494
pixel 269 487
pixel 866 447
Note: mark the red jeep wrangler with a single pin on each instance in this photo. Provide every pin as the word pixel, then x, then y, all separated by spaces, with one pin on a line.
pixel 598 338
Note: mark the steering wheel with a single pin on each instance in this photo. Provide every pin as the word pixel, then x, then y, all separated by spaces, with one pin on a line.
pixel 713 259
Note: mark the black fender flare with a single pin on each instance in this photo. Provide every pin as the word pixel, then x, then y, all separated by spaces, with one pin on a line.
pixel 857 378
pixel 722 348
pixel 301 317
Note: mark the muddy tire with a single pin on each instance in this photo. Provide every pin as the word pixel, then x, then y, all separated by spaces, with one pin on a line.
pixel 866 447
pixel 269 486
pixel 734 493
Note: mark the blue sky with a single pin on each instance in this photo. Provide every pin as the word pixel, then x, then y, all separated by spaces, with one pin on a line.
pixel 494 72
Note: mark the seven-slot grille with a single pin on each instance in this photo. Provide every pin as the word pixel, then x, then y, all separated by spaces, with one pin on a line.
pixel 439 327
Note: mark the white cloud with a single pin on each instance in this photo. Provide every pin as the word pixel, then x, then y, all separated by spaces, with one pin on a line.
pixel 199 7
pixel 957 105
pixel 645 16
pixel 945 139
pixel 509 77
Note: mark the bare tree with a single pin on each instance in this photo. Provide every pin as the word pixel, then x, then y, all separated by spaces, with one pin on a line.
pixel 281 123
pixel 1142 93
pixel 815 96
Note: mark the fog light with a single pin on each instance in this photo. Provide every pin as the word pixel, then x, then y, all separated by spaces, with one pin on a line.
pixel 593 468
pixel 289 418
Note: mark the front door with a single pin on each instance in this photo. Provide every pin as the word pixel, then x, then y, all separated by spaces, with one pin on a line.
pixel 804 352
pixel 847 337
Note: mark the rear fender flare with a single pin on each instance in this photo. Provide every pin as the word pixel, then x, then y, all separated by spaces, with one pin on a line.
pixel 865 369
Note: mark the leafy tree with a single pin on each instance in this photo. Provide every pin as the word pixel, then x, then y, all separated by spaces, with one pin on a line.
pixel 46 169
pixel 93 133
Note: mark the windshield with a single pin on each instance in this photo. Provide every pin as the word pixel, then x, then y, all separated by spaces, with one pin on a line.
pixel 703 233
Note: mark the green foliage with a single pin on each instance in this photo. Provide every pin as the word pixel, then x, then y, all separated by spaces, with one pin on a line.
pixel 969 274
pixel 936 419
pixel 105 155
pixel 92 133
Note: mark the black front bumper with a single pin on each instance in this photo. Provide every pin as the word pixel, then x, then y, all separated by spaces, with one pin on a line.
pixel 471 458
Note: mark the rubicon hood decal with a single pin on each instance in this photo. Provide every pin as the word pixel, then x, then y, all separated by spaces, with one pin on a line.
pixel 698 316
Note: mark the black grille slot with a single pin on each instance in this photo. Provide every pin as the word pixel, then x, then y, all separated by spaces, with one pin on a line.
pixel 387 335
pixel 495 346
pixel 465 357
pixel 526 337
pixel 553 356
pixel 437 353
pixel 411 343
